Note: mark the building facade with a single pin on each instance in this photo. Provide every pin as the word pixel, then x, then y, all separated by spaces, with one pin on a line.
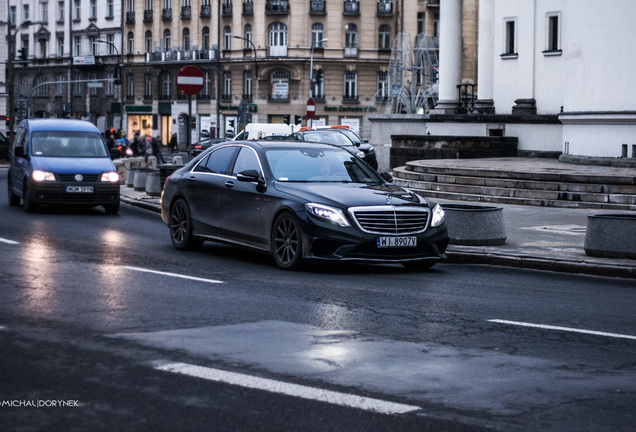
pixel 115 63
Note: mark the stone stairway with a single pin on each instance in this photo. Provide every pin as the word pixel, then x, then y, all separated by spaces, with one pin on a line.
pixel 522 181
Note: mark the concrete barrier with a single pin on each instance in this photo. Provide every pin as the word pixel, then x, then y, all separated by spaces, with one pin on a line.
pixel 475 225
pixel 153 183
pixel 139 182
pixel 611 235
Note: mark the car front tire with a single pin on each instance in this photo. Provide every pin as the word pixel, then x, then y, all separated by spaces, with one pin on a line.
pixel 181 227
pixel 287 242
pixel 28 204
pixel 14 199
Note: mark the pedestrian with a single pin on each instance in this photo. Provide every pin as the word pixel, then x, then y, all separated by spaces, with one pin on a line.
pixel 174 145
pixel 147 149
pixel 156 150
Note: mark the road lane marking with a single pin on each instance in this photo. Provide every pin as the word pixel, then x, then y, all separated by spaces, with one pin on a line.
pixel 194 278
pixel 288 389
pixel 7 241
pixel 567 329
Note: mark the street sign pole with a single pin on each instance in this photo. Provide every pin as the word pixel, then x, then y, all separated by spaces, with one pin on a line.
pixel 190 81
pixel 311 111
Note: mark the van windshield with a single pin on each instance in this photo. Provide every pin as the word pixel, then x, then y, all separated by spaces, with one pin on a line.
pixel 68 144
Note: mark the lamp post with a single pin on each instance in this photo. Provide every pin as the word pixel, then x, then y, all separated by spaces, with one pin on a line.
pixel 255 63
pixel 311 66
pixel 10 77
pixel 120 66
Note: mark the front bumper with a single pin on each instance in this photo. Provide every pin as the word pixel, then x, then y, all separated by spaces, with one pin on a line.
pixel 324 242
pixel 53 193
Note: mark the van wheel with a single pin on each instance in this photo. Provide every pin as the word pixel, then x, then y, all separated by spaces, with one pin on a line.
pixel 14 200
pixel 112 209
pixel 27 203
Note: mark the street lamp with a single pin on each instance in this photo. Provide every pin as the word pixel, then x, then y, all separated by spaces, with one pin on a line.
pixel 311 66
pixel 10 77
pixel 120 66
pixel 255 63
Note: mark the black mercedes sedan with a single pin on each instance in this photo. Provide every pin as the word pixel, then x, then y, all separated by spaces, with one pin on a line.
pixel 300 202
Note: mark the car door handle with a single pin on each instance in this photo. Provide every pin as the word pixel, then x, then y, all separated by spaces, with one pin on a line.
pixel 229 184
pixel 191 179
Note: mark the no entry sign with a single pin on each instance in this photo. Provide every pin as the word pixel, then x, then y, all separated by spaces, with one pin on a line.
pixel 311 108
pixel 190 80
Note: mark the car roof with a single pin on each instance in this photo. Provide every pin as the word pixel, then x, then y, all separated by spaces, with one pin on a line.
pixel 276 144
pixel 60 125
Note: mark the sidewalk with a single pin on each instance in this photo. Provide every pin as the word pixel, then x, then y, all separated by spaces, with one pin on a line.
pixel 541 238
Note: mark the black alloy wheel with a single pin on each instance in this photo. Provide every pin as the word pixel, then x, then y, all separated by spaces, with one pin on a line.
pixel 287 242
pixel 181 227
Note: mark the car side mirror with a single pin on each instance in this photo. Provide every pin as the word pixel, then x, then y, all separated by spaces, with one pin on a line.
pixel 248 176
pixel 19 151
pixel 387 176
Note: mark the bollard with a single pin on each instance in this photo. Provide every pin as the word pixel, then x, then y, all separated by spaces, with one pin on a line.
pixel 475 225
pixel 611 235
pixel 153 183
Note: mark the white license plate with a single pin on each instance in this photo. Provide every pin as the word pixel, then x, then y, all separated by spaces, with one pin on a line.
pixel 389 242
pixel 79 189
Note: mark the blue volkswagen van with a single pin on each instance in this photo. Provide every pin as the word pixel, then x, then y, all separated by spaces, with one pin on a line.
pixel 61 162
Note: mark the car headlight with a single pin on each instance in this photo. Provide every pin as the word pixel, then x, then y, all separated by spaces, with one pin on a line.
pixel 111 177
pixel 360 154
pixel 39 176
pixel 329 213
pixel 438 216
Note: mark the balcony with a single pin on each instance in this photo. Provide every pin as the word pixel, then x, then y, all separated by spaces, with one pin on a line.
pixel 277 7
pixel 226 10
pixel 351 7
pixel 186 12
pixel 179 54
pixel 166 14
pixel 432 3
pixel 317 7
pixel 148 15
pixel 206 11
pixel 385 8
pixel 130 17
pixel 248 8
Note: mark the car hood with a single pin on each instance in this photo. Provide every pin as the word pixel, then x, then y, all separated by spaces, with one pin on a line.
pixel 73 165
pixel 345 195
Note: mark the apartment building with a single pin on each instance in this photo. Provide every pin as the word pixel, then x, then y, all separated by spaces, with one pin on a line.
pixel 115 62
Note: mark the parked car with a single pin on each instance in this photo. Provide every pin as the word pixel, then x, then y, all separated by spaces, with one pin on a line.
pixel 335 136
pixel 61 161
pixel 367 149
pixel 300 201
pixel 200 146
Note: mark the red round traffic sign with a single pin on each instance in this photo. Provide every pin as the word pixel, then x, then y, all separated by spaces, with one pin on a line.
pixel 190 80
pixel 311 108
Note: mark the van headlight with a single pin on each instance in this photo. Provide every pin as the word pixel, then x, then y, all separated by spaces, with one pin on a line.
pixel 110 177
pixel 39 175
pixel 438 216
pixel 328 213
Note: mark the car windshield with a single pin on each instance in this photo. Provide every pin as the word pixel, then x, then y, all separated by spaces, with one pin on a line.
pixel 68 144
pixel 320 165
pixel 328 138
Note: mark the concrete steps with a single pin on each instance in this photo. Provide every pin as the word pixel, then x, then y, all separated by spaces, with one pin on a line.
pixel 521 181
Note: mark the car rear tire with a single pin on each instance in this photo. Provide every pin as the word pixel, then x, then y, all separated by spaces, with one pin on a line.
pixel 27 202
pixel 14 200
pixel 181 227
pixel 287 242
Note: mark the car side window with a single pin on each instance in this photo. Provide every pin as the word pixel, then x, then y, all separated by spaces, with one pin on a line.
pixel 219 160
pixel 19 139
pixel 246 160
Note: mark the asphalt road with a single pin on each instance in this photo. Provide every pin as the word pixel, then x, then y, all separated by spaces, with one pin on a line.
pixel 97 316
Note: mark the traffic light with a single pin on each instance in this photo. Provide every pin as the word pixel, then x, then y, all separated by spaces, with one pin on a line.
pixel 319 76
pixel 8 120
pixel 298 119
pixel 23 55
pixel 118 75
pixel 231 123
pixel 286 119
pixel 434 73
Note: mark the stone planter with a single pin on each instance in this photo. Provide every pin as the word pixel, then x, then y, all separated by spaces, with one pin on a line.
pixel 153 183
pixel 130 176
pixel 475 225
pixel 611 235
pixel 139 183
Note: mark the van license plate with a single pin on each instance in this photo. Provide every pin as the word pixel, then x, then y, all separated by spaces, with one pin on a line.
pixel 79 189
pixel 391 242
